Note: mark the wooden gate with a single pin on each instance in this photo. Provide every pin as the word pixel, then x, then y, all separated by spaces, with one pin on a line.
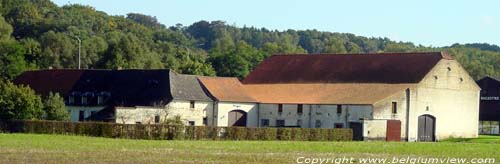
pixel 426 128
pixel 393 131
pixel 237 118
pixel 357 131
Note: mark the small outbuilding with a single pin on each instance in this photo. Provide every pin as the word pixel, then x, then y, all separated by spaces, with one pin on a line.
pixel 489 110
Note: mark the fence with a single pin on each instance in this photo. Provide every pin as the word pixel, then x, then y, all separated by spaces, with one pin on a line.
pixel 167 132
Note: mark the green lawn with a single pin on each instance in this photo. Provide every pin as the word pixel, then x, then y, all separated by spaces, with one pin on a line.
pixel 29 148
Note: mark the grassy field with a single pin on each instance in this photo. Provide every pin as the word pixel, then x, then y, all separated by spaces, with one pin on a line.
pixel 35 148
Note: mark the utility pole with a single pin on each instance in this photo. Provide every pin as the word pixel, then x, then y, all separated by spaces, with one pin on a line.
pixel 79 50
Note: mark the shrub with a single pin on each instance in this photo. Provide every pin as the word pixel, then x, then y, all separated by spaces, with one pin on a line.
pixel 173 132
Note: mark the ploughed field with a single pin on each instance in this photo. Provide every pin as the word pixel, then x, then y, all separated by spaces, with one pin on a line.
pixel 37 148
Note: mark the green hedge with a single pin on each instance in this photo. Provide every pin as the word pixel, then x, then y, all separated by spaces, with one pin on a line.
pixel 166 132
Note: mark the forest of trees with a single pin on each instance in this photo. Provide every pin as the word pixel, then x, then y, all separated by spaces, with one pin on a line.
pixel 38 34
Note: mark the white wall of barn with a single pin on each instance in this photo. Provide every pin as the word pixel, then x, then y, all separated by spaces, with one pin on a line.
pixel 223 108
pixel 383 112
pixel 320 116
pixel 449 94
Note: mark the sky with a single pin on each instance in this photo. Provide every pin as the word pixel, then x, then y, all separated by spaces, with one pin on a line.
pixel 425 22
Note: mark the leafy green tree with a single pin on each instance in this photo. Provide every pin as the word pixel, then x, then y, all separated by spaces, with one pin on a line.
pixel 19 102
pixel 236 61
pixel 335 46
pixel 54 108
pixel 146 20
pixel 12 61
pixel 5 29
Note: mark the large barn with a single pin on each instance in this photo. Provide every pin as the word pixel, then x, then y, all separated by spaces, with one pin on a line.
pixel 384 96
pixel 381 96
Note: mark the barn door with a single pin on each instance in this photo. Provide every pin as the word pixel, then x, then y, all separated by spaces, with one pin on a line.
pixel 426 128
pixel 357 131
pixel 393 131
pixel 237 118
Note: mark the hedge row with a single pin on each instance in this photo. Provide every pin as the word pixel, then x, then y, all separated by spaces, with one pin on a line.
pixel 165 132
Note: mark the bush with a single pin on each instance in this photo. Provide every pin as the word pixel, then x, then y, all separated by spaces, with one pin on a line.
pixel 173 131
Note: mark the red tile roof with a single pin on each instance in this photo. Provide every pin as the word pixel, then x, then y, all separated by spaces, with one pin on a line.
pixel 226 89
pixel 345 68
pixel 367 93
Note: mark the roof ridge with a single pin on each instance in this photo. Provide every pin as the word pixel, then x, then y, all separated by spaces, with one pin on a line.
pixel 375 53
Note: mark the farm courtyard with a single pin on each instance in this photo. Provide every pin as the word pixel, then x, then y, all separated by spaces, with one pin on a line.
pixel 36 148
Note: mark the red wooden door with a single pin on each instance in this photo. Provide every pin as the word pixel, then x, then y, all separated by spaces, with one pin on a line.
pixel 393 131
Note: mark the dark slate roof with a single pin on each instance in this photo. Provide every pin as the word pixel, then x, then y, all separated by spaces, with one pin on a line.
pixel 345 68
pixel 126 87
pixel 45 81
pixel 488 82
pixel 187 87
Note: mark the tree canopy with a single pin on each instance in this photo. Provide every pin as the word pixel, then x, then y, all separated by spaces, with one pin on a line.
pixel 40 35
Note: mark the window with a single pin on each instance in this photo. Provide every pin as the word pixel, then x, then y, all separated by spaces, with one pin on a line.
pixel 280 123
pixel 299 109
pixel 339 125
pixel 394 107
pixel 157 118
pixel 92 113
pixel 81 115
pixel 100 100
pixel 71 100
pixel 205 121
pixel 264 122
pixel 84 100
pixel 318 123
pixel 299 123
pixel 191 104
pixel 191 123
pixel 339 109
pixel 280 108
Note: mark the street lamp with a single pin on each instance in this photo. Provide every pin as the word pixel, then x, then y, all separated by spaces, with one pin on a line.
pixel 79 49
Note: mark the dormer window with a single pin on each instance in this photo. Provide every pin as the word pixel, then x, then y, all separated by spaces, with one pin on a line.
pixel 71 99
pixel 100 99
pixel 84 100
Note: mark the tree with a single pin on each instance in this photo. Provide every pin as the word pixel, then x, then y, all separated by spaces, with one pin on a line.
pixel 54 108
pixel 19 102
pixel 5 29
pixel 146 20
pixel 12 61
pixel 235 61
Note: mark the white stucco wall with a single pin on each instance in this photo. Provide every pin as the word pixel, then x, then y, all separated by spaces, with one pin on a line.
pixel 374 129
pixel 326 114
pixel 146 114
pixel 452 98
pixel 223 108
pixel 383 112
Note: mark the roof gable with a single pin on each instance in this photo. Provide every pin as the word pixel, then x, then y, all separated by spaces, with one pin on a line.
pixel 345 68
